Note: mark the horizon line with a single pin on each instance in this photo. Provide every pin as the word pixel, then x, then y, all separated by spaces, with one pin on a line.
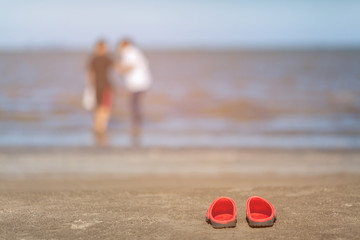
pixel 190 48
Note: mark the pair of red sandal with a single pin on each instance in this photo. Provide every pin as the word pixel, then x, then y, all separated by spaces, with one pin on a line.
pixel 222 212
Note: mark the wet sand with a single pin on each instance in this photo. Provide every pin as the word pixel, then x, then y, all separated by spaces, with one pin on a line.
pixel 164 193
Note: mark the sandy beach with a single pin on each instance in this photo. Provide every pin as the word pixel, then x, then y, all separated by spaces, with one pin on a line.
pixel 69 193
pixel 127 119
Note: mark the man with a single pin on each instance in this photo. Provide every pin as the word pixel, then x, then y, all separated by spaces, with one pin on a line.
pixel 98 74
pixel 134 67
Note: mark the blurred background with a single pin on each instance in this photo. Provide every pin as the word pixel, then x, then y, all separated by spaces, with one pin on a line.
pixel 261 74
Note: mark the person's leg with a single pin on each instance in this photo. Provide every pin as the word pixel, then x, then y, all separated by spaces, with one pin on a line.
pixel 107 105
pixel 138 115
pixel 135 112
pixel 97 122
pixel 102 116
pixel 97 110
pixel 103 112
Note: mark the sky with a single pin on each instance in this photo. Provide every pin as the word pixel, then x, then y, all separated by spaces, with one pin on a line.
pixel 180 24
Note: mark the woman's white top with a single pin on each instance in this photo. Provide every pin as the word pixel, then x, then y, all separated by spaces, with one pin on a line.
pixel 138 78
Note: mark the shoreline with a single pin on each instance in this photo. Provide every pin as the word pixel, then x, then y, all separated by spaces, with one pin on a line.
pixel 65 162
pixel 75 149
pixel 230 50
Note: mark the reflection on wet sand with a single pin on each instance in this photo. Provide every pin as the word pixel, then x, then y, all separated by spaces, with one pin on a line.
pixel 135 139
pixel 101 139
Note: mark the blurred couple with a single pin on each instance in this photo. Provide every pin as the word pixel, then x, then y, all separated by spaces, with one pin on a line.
pixel 132 65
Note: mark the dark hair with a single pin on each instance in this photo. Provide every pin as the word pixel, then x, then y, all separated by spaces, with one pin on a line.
pixel 125 42
pixel 100 43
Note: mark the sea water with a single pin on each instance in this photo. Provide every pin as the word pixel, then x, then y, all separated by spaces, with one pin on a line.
pixel 261 99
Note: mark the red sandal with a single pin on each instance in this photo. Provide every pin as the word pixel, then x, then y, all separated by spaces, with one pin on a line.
pixel 260 212
pixel 222 213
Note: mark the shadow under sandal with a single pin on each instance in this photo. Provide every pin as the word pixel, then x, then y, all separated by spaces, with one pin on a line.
pixel 260 212
pixel 222 213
